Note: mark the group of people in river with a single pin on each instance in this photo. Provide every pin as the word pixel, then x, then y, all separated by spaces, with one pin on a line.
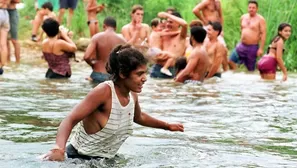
pixel 119 64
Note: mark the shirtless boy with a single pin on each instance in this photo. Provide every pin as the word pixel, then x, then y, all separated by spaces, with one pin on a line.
pixel 97 53
pixel 136 33
pixel 92 10
pixel 253 32
pixel 211 11
pixel 198 62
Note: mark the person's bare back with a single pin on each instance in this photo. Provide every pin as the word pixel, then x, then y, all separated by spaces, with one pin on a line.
pixel 104 42
pixel 198 62
pixel 98 51
pixel 201 66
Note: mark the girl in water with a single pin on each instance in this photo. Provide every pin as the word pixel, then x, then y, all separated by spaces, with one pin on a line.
pixel 269 62
pixel 105 117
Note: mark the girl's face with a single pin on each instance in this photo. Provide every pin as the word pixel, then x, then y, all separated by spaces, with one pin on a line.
pixel 286 32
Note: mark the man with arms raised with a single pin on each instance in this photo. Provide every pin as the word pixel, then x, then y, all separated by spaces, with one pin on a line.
pixel 253 31
pixel 97 53
pixel 4 28
pixel 136 33
pixel 215 49
pixel 173 46
pixel 198 62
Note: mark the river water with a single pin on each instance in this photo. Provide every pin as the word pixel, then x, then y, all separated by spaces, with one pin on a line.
pixel 236 121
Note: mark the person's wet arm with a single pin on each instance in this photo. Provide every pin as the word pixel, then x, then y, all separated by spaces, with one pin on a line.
pixel 90 53
pixel 149 121
pixel 67 44
pixel 162 34
pixel 279 58
pixel 219 6
pixel 197 11
pixel 262 36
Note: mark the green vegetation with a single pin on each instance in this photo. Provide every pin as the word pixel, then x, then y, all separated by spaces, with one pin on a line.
pixel 274 11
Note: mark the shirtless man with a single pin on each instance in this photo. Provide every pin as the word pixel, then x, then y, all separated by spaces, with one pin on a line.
pixel 215 49
pixel 155 41
pixel 14 20
pixel 211 11
pixel 198 62
pixel 4 28
pixel 92 10
pixel 136 33
pixel 173 46
pixel 253 32
pixel 97 53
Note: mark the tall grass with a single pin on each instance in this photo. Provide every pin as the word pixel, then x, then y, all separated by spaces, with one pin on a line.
pixel 274 11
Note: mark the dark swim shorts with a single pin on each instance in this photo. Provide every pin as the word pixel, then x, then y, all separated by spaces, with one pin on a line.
pixel 65 4
pixel 156 73
pixel 245 54
pixel 73 153
pixel 99 77
pixel 52 75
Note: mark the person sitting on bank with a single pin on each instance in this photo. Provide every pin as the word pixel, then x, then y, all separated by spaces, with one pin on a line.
pixel 105 117
pixel 45 12
pixel 57 49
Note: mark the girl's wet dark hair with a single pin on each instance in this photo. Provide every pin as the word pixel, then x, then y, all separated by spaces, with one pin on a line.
pixel 51 27
pixel 123 60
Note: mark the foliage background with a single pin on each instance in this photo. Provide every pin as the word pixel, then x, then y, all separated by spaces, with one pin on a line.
pixel 274 11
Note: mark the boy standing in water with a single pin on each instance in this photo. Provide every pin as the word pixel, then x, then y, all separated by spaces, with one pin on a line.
pixel 105 117
pixel 92 10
